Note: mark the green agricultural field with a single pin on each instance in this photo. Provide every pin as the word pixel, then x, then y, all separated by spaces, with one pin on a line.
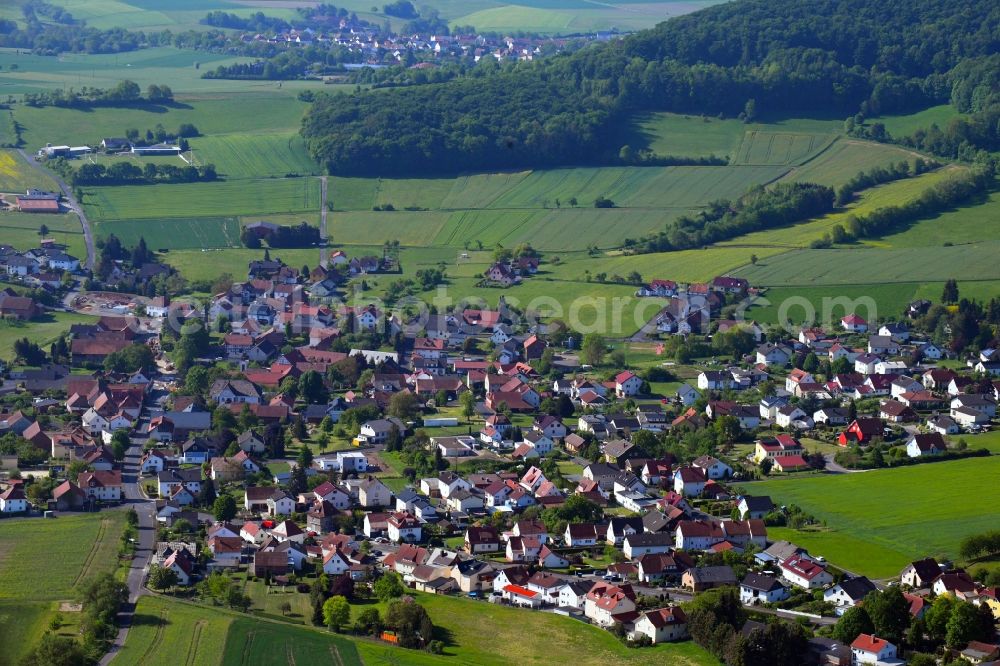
pixel 189 200
pixel 44 331
pixel 907 124
pixel 779 148
pixel 255 155
pixel 16 175
pixel 968 224
pixel 802 234
pixel 212 113
pixel 553 230
pixel 891 516
pixel 845 158
pixel 855 266
pixel 70 561
pixel 251 642
pixel 176 233
pixel 21 231
pixel 164 633
pixel 180 69
pixel 636 187
pixel 685 265
pixel 890 300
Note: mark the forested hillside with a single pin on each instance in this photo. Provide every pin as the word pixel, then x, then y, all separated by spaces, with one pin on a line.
pixel 751 57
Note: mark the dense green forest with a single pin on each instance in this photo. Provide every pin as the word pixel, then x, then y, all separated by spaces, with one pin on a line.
pixel 759 57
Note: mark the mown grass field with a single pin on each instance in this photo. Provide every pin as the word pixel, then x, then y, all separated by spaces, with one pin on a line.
pixel 255 155
pixel 21 231
pixel 69 560
pixel 44 331
pixel 881 519
pixel 176 233
pixel 16 175
pixel 189 200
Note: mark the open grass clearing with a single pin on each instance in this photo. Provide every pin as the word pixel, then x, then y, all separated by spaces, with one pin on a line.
pixel 918 511
pixel 906 124
pixel 27 542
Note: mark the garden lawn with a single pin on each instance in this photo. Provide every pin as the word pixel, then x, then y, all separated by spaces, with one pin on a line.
pixel 42 560
pixel 210 264
pixel 882 518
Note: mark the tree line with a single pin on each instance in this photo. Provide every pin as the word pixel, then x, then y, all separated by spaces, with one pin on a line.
pixel 285 236
pixel 126 173
pixel 126 92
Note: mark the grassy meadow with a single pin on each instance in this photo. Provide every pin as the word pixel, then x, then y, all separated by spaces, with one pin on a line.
pixel 880 520
pixel 44 331
pixel 216 637
pixel 21 230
